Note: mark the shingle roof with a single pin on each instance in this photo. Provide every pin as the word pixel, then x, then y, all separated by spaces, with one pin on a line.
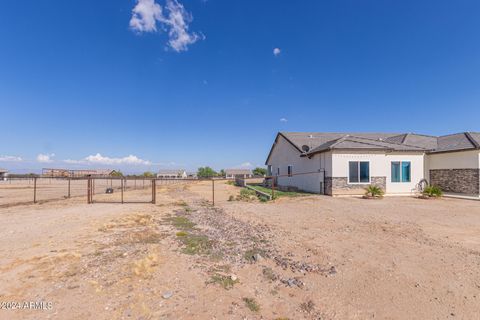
pixel 323 141
pixel 353 142
pixel 237 171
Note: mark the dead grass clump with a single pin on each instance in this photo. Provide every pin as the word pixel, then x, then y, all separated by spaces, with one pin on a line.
pixel 143 236
pixel 181 203
pixel 226 282
pixel 134 220
pixel 181 234
pixel 253 254
pixel 307 307
pixel 252 304
pixel 269 274
pixel 145 267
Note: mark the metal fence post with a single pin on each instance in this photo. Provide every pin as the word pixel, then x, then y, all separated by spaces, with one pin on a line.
pixel 273 188
pixel 88 190
pixel 35 190
pixel 122 188
pixel 154 191
pixel 213 192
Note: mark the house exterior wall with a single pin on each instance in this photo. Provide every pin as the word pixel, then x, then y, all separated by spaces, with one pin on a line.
pixel 284 154
pixel 456 172
pixel 380 172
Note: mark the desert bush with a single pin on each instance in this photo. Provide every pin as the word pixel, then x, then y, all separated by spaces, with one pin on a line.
pixel 247 195
pixel 252 304
pixel 433 192
pixel 373 191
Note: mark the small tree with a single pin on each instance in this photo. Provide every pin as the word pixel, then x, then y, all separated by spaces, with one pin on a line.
pixel 259 171
pixel 148 174
pixel 117 173
pixel 206 172
pixel 222 173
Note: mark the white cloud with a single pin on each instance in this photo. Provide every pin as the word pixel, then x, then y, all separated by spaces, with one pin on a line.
pixel 276 52
pixel 45 158
pixel 283 120
pixel 147 13
pixel 101 160
pixel 10 159
pixel 246 165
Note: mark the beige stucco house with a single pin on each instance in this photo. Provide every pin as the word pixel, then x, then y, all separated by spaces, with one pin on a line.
pixel 401 164
pixel 238 173
pixel 172 174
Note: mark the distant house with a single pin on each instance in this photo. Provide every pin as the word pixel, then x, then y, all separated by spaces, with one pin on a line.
pixel 172 174
pixel 238 173
pixel 67 173
pixel 3 174
pixel 399 163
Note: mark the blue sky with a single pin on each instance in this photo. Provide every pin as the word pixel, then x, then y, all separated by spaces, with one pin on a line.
pixel 145 84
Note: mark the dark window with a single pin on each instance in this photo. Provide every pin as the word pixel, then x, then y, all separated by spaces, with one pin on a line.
pixel 278 171
pixel 359 172
pixel 290 171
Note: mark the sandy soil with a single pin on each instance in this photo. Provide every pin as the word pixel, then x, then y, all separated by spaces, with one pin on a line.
pixel 311 257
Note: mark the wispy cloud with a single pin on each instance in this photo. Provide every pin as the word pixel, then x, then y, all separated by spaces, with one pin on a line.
pixel 10 159
pixel 283 120
pixel 246 165
pixel 102 160
pixel 175 21
pixel 276 52
pixel 45 158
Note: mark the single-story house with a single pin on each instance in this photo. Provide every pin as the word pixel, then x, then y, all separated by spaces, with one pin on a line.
pixel 78 173
pixel 399 163
pixel 172 174
pixel 3 174
pixel 238 173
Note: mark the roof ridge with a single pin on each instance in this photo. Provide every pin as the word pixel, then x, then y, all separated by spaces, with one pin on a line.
pixel 369 143
pixel 472 140
pixel 395 143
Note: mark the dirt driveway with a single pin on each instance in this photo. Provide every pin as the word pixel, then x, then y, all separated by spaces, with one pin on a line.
pixel 311 257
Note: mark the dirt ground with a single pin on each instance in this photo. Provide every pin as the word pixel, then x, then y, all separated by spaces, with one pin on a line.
pixel 311 257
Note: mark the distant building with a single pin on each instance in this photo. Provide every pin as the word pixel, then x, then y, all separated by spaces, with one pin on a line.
pixel 238 173
pixel 3 174
pixel 172 174
pixel 67 173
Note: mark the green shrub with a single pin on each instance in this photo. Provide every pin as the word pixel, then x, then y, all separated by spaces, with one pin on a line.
pixel 373 191
pixel 433 192
pixel 252 304
pixel 247 195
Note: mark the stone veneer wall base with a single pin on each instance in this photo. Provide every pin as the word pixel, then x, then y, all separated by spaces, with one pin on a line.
pixel 465 181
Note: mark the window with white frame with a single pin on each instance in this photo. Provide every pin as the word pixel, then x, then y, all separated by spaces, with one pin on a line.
pixel 290 170
pixel 269 170
pixel 401 171
pixel 359 172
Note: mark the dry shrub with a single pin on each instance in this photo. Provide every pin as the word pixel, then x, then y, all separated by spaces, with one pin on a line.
pixel 145 267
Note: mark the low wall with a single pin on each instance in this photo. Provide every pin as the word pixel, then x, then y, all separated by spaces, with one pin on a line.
pixel 466 181
pixel 340 186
